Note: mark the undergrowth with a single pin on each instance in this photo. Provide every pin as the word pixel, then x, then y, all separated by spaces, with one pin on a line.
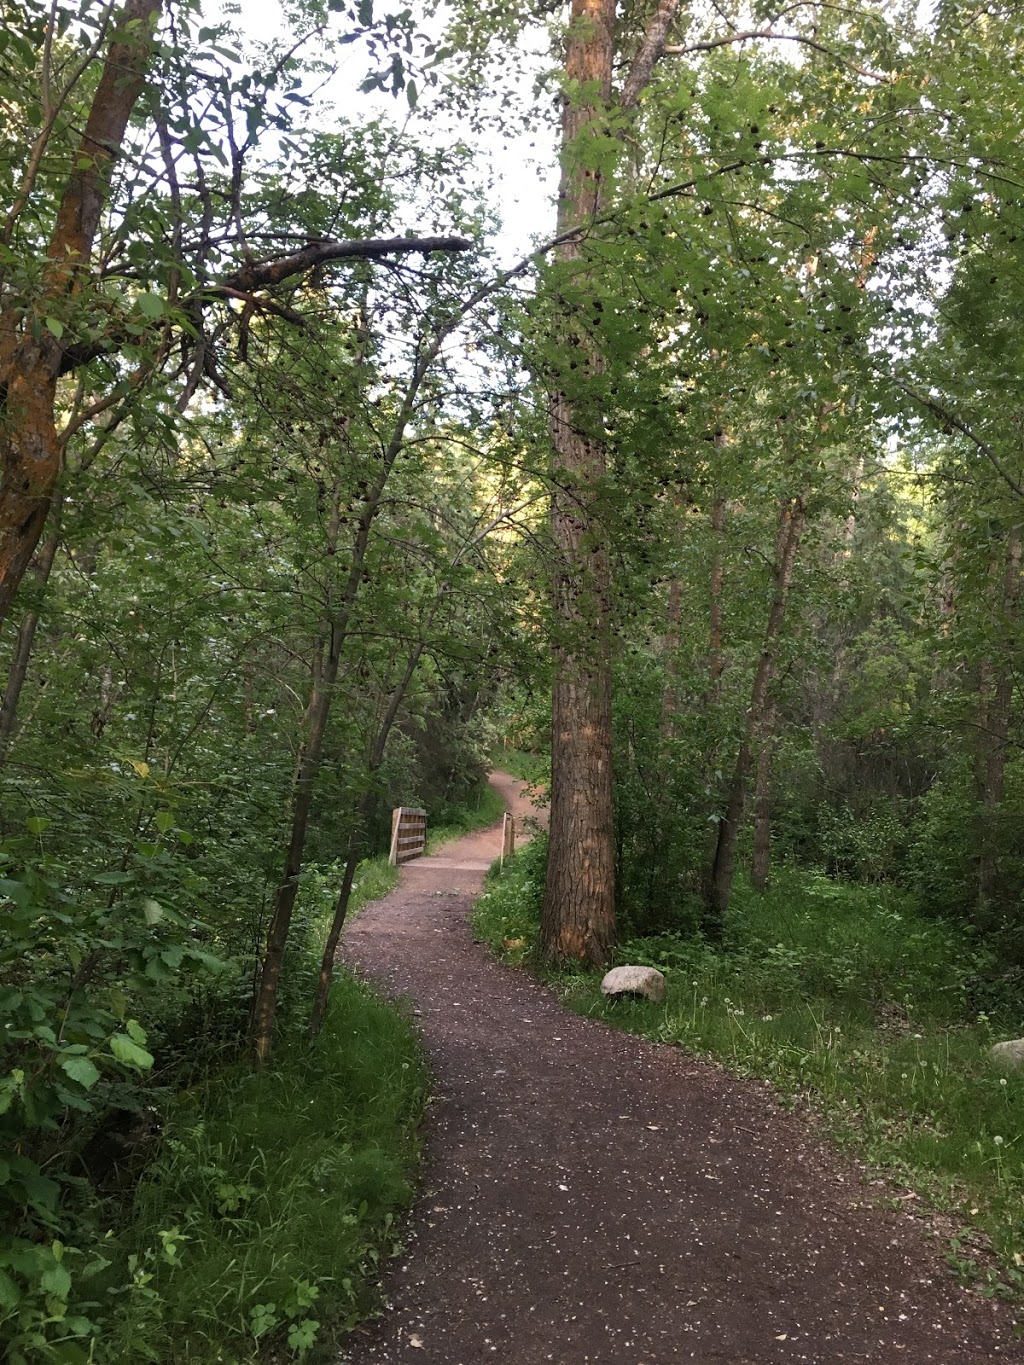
pixel 528 767
pixel 257 1231
pixel 480 811
pixel 842 996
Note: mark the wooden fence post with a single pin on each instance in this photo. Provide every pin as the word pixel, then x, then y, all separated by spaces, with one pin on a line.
pixel 508 837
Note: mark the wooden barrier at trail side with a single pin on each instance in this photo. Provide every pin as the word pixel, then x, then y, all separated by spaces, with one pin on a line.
pixel 408 834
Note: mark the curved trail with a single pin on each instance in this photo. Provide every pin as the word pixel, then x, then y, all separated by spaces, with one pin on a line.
pixel 591 1198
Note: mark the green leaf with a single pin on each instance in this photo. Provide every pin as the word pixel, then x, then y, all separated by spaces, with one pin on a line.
pixel 164 821
pixel 9 1291
pixel 55 326
pixel 151 306
pixel 136 1031
pixel 130 1053
pixel 56 1281
pixel 80 1069
pixel 36 824
pixel 153 911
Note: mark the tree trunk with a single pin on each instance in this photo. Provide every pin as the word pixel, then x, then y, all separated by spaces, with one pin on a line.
pixel 318 711
pixel 995 703
pixel 578 911
pixel 720 882
pixel 330 953
pixel 30 447
pixel 24 643
pixel 715 664
pixel 760 862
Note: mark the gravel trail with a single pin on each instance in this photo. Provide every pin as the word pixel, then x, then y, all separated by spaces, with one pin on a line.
pixel 591 1198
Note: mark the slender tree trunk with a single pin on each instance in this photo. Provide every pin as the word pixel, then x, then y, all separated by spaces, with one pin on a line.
pixel 720 882
pixel 760 862
pixel 995 704
pixel 670 653
pixel 25 641
pixel 330 953
pixel 325 677
pixel 578 910
pixel 715 663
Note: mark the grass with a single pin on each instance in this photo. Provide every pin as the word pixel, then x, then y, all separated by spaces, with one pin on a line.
pixel 258 1230
pixel 482 810
pixel 843 997
pixel 532 768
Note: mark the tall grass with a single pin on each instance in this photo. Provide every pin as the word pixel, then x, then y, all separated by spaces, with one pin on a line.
pixel 257 1231
pixel 843 997
pixel 480 811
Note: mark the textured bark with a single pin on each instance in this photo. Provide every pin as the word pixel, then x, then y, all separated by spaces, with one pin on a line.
pixel 760 862
pixel 30 448
pixel 715 663
pixel 995 703
pixel 578 911
pixel 24 643
pixel 791 520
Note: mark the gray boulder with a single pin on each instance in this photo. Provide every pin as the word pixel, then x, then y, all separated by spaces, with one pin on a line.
pixel 646 981
pixel 1008 1055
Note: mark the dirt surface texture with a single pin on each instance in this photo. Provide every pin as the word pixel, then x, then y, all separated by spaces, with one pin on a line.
pixel 591 1198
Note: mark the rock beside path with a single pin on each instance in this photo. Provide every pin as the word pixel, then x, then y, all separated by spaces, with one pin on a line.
pixel 645 981
pixel 1009 1055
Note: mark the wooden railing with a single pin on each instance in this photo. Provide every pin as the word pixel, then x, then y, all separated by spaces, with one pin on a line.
pixel 408 834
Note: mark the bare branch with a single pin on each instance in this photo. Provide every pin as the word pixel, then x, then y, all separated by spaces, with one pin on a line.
pixel 266 274
pixel 651 49
pixel 957 424
pixel 772 35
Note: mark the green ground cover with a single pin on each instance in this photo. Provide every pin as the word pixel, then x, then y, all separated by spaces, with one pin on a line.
pixel 256 1228
pixel 842 996
pixel 480 811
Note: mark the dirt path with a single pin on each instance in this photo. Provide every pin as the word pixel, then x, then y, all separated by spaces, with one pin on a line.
pixel 590 1197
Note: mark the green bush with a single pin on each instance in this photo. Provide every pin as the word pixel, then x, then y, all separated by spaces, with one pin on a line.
pixel 277 1191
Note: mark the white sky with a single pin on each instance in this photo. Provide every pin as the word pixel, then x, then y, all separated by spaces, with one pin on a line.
pixel 523 169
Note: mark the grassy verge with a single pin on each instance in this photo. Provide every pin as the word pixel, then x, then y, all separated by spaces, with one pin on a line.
pixel 258 1229
pixel 480 811
pixel 843 997
pixel 532 768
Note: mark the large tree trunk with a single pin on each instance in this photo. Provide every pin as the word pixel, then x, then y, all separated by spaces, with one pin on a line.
pixel 791 519
pixel 30 365
pixel 578 911
pixel 995 704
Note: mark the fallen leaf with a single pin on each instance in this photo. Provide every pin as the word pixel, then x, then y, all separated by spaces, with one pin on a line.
pixel 414 1340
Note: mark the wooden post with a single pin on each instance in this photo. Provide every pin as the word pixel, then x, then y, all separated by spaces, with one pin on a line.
pixel 508 837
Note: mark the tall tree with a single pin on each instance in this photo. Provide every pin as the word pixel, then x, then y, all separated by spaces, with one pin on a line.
pixel 578 913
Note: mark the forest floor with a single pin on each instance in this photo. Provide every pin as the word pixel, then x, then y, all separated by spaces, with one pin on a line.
pixel 591 1198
